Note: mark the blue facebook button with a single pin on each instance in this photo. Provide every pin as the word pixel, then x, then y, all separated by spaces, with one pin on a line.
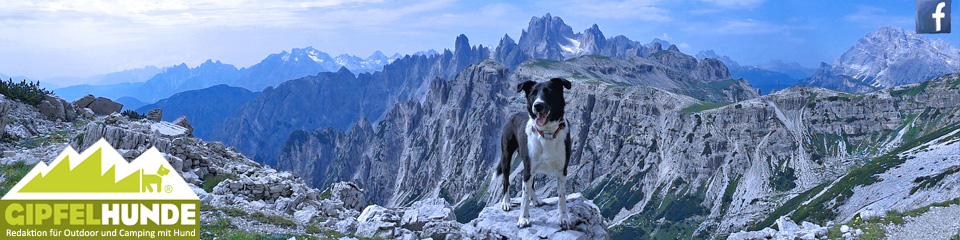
pixel 933 16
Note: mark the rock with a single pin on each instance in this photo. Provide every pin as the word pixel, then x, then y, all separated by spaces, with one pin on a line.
pixel 182 121
pixel 84 102
pixel 85 113
pixel 346 226
pixel 155 114
pixel 306 214
pixel 349 193
pixel 425 211
pixel 104 106
pixel 844 229
pixel 5 106
pixel 115 118
pixel 494 223
pixel 8 153
pixel 787 225
pixel 377 221
pixel 52 107
pixel 168 129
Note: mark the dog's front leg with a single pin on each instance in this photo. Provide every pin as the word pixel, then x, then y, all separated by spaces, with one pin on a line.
pixel 562 191
pixel 524 220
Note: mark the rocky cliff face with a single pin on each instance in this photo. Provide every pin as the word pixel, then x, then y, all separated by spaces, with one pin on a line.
pixel 644 154
pixel 260 127
pixel 885 58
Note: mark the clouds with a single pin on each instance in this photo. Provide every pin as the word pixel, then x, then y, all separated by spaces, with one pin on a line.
pixel 873 17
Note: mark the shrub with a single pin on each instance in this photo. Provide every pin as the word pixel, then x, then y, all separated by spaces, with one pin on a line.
pixel 133 115
pixel 26 92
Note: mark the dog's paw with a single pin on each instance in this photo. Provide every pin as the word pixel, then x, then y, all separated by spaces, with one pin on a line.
pixel 506 206
pixel 523 222
pixel 565 224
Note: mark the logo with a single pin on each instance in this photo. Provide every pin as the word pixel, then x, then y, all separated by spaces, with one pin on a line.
pixel 933 16
pixel 98 194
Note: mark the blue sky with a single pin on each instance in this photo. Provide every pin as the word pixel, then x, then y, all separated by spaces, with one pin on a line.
pixel 42 39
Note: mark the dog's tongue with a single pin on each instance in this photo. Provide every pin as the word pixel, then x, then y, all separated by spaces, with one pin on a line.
pixel 541 120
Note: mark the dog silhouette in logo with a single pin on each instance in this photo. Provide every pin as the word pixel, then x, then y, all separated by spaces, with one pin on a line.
pixel 147 180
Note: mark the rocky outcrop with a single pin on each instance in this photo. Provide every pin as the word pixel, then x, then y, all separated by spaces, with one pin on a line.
pixel 549 38
pixel 789 230
pixel 53 107
pixel 182 122
pixel 99 105
pixel 155 114
pixel 494 223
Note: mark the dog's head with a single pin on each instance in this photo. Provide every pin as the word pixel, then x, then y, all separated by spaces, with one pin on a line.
pixel 545 100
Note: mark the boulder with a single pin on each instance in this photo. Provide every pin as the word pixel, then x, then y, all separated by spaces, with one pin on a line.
pixel 182 121
pixel 155 114
pixel 425 211
pixel 52 107
pixel 84 101
pixel 377 222
pixel 103 106
pixel 787 225
pixel 349 193
pixel 494 223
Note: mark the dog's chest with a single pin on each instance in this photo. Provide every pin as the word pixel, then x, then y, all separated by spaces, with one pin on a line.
pixel 546 155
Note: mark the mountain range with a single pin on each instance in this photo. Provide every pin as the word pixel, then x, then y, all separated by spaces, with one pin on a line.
pixel 337 99
pixel 205 108
pixel 271 71
pixel 887 57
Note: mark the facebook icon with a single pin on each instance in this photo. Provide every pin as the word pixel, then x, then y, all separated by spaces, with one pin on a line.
pixel 933 16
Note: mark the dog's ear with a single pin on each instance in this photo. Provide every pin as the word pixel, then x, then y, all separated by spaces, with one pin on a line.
pixel 566 84
pixel 525 86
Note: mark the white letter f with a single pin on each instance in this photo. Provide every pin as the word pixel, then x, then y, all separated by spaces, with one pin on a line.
pixel 939 14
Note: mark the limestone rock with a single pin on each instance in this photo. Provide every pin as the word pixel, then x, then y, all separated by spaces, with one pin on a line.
pixel 102 105
pixel 349 194
pixel 494 223
pixel 155 114
pixel 182 121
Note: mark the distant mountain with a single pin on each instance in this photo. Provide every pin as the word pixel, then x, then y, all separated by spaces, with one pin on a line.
pixel 426 53
pixel 548 37
pixel 372 63
pixel 793 69
pixel 887 57
pixel 126 76
pixel 761 77
pixel 112 91
pixel 204 108
pixel 337 99
pixel 151 83
pixel 181 78
pixel 130 103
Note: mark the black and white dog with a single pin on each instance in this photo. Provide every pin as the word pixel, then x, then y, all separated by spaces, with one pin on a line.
pixel 542 140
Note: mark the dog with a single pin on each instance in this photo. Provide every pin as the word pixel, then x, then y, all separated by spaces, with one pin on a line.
pixel 541 138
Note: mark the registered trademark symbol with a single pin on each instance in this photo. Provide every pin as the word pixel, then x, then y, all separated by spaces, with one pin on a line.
pixel 168 188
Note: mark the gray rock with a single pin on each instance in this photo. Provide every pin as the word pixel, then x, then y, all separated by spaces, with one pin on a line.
pixel 349 194
pixel 425 211
pixel 155 114
pixel 85 113
pixel 104 106
pixel 84 102
pixel 786 225
pixel 377 221
pixel 494 223
pixel 182 121
pixel 52 107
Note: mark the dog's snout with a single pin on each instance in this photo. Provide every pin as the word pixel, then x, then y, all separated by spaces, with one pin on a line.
pixel 539 107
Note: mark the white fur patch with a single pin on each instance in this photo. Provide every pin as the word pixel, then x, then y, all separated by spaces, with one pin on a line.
pixel 547 156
